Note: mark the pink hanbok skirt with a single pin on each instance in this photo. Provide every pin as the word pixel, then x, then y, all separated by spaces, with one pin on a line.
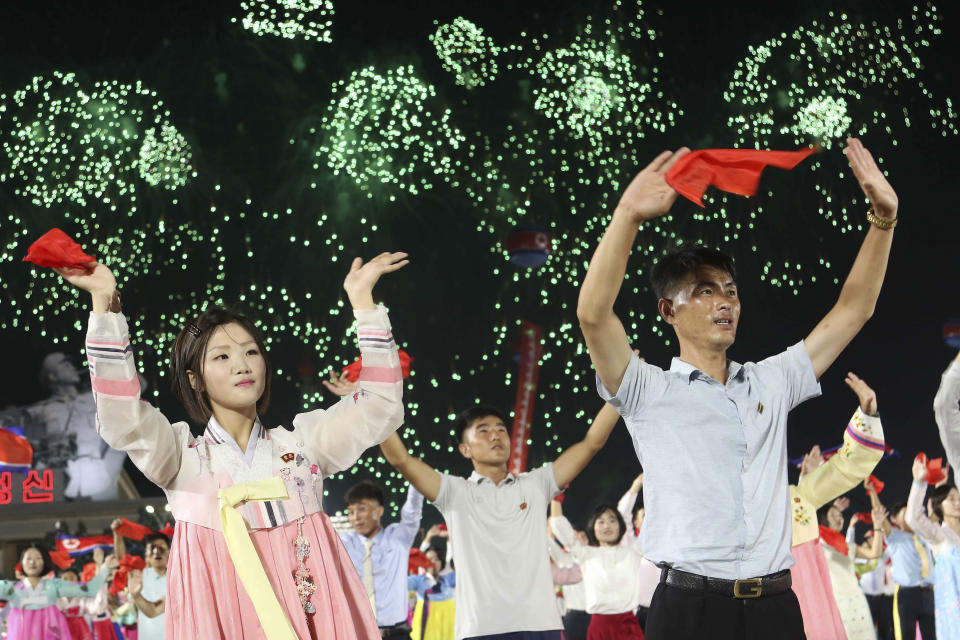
pixel 811 583
pixel 205 599
pixel 37 624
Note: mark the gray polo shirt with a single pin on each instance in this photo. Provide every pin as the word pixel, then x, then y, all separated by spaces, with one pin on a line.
pixel 715 460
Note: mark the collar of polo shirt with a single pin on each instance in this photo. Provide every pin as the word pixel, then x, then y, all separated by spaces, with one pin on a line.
pixel 734 370
pixel 478 479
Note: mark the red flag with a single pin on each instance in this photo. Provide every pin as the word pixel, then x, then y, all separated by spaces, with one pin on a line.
pixel 89 572
pixel 57 249
pixel 353 369
pixel 167 530
pixel 733 170
pixel 133 530
pixel 61 558
pixel 16 452
pixel 935 471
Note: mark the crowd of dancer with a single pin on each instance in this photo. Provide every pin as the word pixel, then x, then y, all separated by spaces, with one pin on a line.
pixel 723 546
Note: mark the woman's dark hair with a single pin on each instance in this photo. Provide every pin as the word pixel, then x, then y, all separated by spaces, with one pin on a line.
pixel 822 514
pixel 364 490
pixel 467 417
pixel 47 563
pixel 187 354
pixel 673 268
pixel 937 496
pixel 592 521
pixel 443 561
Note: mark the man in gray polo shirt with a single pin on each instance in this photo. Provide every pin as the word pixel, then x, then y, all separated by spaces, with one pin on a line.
pixel 724 540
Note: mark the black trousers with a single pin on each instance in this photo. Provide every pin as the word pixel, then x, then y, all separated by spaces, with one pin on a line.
pixel 881 608
pixel 678 614
pixel 915 604
pixel 575 624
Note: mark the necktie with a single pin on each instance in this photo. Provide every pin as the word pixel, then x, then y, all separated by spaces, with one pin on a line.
pixel 924 563
pixel 368 574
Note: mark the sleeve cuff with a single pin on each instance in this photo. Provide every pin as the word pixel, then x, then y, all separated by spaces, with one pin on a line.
pixel 376 317
pixel 866 430
pixel 617 400
pixel 107 324
pixel 811 386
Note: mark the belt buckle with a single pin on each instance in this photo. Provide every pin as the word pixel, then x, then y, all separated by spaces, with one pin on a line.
pixel 754 590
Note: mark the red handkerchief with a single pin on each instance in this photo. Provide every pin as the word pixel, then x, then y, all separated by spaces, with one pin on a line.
pixel 353 369
pixel 132 530
pixel 876 483
pixel 61 558
pixel 733 170
pixel 57 249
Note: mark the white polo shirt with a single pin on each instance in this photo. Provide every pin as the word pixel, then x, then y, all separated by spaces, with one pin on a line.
pixel 503 568
pixel 154 588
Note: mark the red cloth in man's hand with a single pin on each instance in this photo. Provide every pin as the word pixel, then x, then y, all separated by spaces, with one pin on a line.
pixel 132 530
pixel 733 170
pixel 57 249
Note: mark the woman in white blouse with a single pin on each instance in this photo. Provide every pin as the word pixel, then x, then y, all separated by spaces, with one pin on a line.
pixel 611 572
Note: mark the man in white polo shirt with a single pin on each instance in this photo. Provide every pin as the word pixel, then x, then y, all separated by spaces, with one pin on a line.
pixel 504 586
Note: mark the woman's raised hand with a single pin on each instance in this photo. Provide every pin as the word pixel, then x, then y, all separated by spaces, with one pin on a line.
pixel 360 280
pixel 99 283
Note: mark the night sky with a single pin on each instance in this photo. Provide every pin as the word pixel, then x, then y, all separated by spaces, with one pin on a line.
pixel 239 100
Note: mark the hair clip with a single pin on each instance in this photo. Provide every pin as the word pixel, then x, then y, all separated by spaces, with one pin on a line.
pixel 193 329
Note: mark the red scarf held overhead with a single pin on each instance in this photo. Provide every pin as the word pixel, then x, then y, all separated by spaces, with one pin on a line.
pixel 732 170
pixel 56 249
pixel 835 539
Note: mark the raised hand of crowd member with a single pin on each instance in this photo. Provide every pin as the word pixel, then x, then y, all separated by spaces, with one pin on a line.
pixel 119 543
pixel 866 395
pixel 842 503
pixel 146 607
pixel 811 460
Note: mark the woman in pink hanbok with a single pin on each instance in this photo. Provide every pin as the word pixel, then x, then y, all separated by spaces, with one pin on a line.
pixel 253 555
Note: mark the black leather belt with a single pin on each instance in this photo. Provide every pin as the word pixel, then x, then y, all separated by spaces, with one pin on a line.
pixel 395 629
pixel 741 589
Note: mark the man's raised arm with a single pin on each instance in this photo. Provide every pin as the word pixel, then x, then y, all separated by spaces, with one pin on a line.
pixel 860 291
pixel 647 197
pixel 422 476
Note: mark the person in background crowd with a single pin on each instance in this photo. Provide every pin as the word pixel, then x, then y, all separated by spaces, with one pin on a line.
pixel 504 584
pixel 568 578
pixel 34 614
pixel 611 572
pixel 434 615
pixel 944 541
pixel 380 555
pixel 649 573
pixel 821 482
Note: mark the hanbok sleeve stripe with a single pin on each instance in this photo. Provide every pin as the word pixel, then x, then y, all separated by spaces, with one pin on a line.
pixel 381 374
pixel 124 388
pixel 865 440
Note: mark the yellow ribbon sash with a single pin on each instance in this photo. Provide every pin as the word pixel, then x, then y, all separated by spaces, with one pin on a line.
pixel 246 562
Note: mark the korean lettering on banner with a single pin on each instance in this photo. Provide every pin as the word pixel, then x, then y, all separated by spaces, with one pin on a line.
pixel 527 378
pixel 34 486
